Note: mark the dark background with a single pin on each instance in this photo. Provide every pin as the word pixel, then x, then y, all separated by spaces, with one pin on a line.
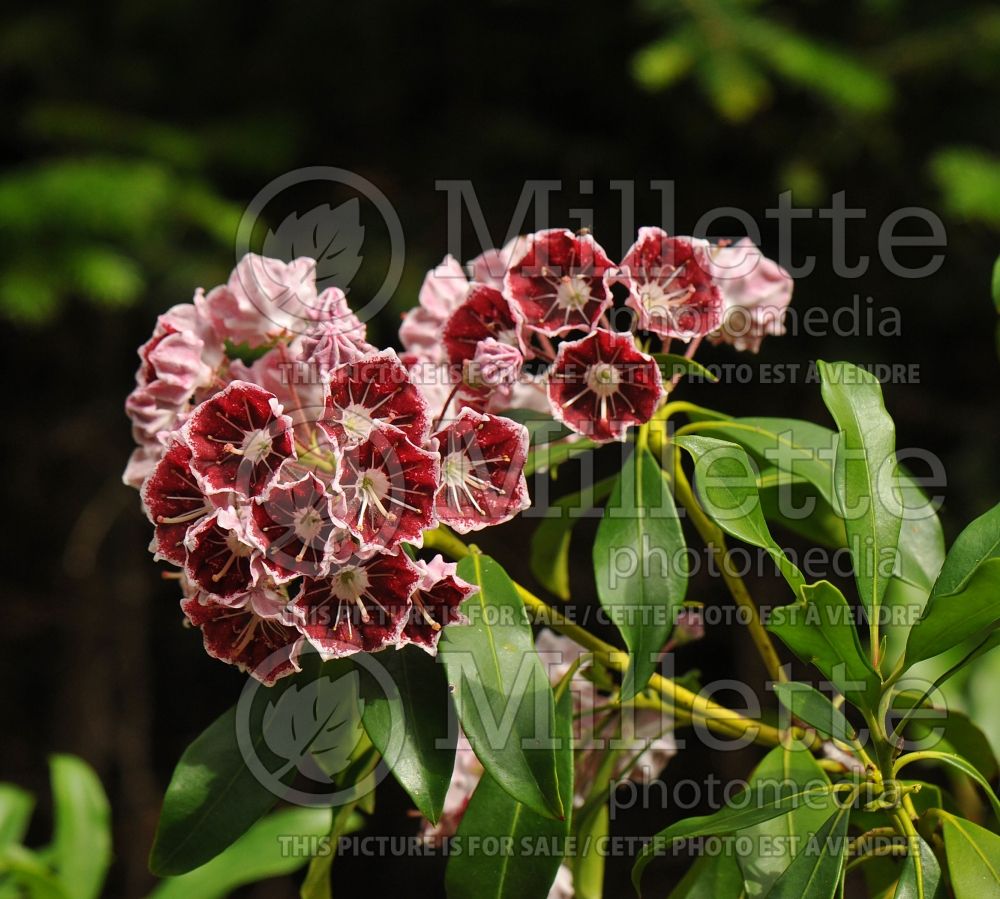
pixel 134 134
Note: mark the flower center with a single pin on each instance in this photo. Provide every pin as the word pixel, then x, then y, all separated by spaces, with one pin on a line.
pixel 308 524
pixel 350 583
pixel 456 469
pixel 237 547
pixel 603 379
pixel 257 445
pixel 356 422
pixel 573 292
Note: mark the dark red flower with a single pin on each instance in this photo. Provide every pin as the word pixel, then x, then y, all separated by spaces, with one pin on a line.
pixel 256 632
pixel 221 554
pixel 602 384
pixel 485 313
pixel 436 599
pixel 558 285
pixel 482 471
pixel 173 502
pixel 374 390
pixel 671 286
pixel 360 606
pixel 294 524
pixel 238 440
pixel 388 485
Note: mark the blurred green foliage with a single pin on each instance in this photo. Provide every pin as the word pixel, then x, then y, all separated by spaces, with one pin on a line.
pixel 740 53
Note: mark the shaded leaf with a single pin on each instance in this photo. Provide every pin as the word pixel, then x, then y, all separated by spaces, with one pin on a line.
pixel 820 630
pixel 813 708
pixel 420 708
pixel 864 476
pixel 641 529
pixel 501 692
pixel 550 540
pixel 493 814
pixel 81 847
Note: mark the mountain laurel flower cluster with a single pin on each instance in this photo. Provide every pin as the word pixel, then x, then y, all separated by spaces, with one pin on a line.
pixel 285 462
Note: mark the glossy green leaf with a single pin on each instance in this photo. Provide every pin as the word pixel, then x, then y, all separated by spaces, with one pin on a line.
pixel 964 600
pixel 420 709
pixel 816 870
pixel 820 630
pixel 797 506
pixel 549 456
pixel 967 768
pixel 550 541
pixel 727 488
pixel 813 708
pixel 801 448
pixel 500 688
pixel 257 855
pixel 673 364
pixel 638 562
pixel 945 729
pixel 81 848
pixel 921 875
pixel 808 451
pixel 776 841
pixel 711 877
pixel 864 475
pixel 213 796
pixel 492 814
pixel 16 806
pixel 754 805
pixel 542 429
pixel 973 858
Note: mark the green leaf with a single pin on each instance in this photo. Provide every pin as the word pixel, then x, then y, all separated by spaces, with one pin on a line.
pixel 500 688
pixel 950 731
pixel 801 448
pixel 16 806
pixel 81 850
pixel 816 871
pixel 921 875
pixel 641 528
pixel 420 707
pixel 755 805
pixel 672 364
pixel 949 619
pixel 213 796
pixel 22 867
pixel 807 451
pixel 727 487
pixel 813 708
pixel 777 840
pixel 550 541
pixel 493 814
pixel 257 855
pixel 864 476
pixel 317 884
pixel 550 456
pixel 820 631
pixel 973 858
pixel 966 767
pixel 996 284
pixel 542 429
pixel 711 877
